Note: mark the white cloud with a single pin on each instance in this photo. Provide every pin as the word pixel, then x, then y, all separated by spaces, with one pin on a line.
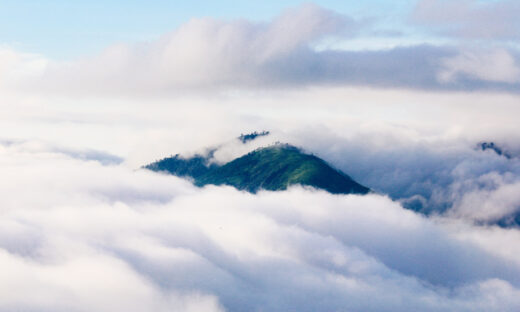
pixel 71 239
pixel 87 283
pixel 203 53
pixel 418 147
pixel 16 67
pixel 490 204
pixel 495 65
pixel 210 55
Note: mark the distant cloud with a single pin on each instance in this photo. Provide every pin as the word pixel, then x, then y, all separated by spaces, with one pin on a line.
pixel 499 201
pixel 39 147
pixel 495 65
pixel 213 55
pixel 495 20
pixel 208 53
pixel 451 178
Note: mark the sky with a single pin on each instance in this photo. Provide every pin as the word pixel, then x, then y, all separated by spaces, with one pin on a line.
pixel 69 29
pixel 399 95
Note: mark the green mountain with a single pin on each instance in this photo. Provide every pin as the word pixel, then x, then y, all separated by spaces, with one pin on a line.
pixel 270 168
pixel 193 167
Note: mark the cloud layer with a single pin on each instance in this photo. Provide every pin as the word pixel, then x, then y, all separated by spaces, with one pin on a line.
pixel 79 242
pixel 443 177
pixel 492 20
pixel 207 55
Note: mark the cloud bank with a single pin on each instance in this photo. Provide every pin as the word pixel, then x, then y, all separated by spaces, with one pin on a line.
pixel 76 241
pixel 452 177
pixel 208 55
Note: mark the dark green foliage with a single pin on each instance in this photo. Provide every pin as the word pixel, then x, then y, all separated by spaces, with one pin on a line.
pixel 193 167
pixel 492 146
pixel 271 168
pixel 251 136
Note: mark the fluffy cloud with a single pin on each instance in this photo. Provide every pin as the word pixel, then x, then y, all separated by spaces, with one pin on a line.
pixel 246 59
pixel 419 148
pixel 451 177
pixel 169 245
pixel 497 65
pixel 498 202
pixel 74 240
pixel 16 67
pixel 207 55
pixel 436 176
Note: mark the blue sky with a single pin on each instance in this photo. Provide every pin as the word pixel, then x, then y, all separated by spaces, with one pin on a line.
pixel 62 29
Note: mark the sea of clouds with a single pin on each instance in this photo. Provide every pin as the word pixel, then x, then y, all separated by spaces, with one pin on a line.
pixel 84 228
pixel 77 235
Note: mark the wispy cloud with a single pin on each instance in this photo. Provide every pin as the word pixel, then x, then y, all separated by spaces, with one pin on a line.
pixel 472 19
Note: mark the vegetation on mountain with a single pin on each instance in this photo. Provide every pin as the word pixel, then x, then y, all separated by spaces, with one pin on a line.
pixel 251 136
pixel 270 168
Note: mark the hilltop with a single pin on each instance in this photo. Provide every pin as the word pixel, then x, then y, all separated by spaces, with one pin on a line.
pixel 272 168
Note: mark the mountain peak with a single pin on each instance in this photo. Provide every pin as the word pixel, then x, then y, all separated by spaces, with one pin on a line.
pixel 273 168
pixel 244 138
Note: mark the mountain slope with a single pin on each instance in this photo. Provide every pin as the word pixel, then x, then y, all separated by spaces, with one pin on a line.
pixel 271 168
pixel 194 167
